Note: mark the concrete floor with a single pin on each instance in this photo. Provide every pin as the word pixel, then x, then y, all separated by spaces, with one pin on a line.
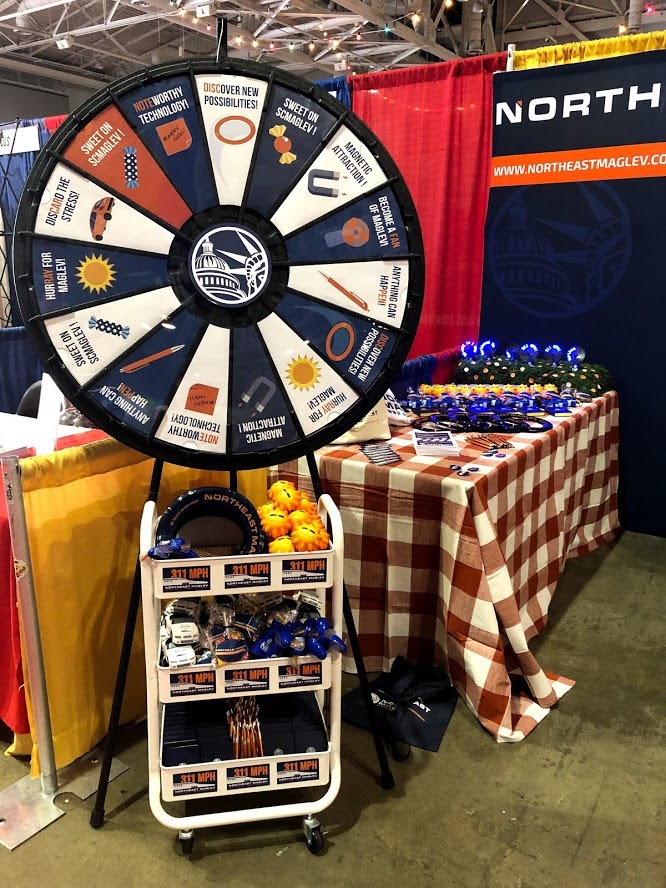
pixel 580 803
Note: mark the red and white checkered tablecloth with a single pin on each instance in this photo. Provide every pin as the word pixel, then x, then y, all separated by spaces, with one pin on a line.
pixel 461 570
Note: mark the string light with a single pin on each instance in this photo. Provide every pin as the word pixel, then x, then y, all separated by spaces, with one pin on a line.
pixel 311 46
pixel 359 37
pixel 239 40
pixel 622 29
pixel 255 44
pixel 208 28
pixel 449 3
pixel 195 20
pixel 649 9
pixel 416 18
pixel 291 47
pixel 336 43
pixel 387 29
pixel 271 46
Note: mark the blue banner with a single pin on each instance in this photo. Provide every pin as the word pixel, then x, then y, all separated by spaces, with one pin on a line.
pixel 574 237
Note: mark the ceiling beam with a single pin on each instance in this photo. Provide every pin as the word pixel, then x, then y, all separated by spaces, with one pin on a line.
pixel 44 70
pixel 560 16
pixel 588 26
pixel 408 34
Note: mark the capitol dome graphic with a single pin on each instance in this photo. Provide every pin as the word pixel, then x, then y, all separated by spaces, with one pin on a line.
pixel 562 266
pixel 527 267
pixel 230 265
pixel 213 275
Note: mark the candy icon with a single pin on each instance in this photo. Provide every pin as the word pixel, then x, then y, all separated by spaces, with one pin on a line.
pixel 282 144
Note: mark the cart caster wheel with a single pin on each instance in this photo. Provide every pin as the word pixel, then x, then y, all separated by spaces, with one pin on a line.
pixel 186 842
pixel 315 842
pixel 400 752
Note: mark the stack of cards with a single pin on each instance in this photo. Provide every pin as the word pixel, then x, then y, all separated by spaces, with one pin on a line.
pixel 380 454
pixel 435 444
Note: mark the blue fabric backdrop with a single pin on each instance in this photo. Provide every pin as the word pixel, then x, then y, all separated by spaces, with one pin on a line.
pixel 14 169
pixel 339 86
pixel 19 365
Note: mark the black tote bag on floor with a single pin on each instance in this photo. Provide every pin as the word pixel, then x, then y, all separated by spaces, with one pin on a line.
pixel 414 704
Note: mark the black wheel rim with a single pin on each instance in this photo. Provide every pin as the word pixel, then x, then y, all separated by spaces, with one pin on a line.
pixel 216 324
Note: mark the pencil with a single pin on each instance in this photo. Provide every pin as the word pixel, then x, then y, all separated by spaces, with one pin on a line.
pixel 137 365
pixel 345 292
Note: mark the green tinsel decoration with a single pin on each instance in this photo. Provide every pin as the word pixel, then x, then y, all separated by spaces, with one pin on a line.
pixel 496 370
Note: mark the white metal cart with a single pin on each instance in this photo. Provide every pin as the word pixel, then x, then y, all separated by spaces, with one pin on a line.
pixel 187 578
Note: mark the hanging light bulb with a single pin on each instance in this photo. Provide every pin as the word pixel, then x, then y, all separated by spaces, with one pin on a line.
pixel 622 29
pixel 336 43
pixel 195 20
pixel 271 46
pixel 416 18
pixel 208 28
pixel 387 29
pixel 291 47
pixel 448 3
pixel 255 44
pixel 359 37
pixel 311 46
pixel 239 40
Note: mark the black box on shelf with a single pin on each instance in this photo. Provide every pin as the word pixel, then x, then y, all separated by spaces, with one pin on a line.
pixel 180 753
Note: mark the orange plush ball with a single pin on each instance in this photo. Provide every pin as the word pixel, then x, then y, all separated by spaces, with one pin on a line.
pixel 309 538
pixel 300 516
pixel 285 496
pixel 281 544
pixel 276 523
pixel 307 505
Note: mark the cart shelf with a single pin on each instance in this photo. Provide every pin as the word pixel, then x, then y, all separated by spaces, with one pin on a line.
pixel 248 678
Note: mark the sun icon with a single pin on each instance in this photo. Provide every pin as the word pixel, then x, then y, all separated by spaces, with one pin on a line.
pixel 96 273
pixel 303 373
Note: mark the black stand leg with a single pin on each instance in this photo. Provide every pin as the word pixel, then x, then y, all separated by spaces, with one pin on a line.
pixel 386 777
pixel 97 815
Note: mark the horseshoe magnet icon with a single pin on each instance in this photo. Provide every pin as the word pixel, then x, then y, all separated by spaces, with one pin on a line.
pixel 323 190
pixel 259 405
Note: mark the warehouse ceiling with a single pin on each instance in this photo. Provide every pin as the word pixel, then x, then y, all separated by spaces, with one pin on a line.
pixel 90 42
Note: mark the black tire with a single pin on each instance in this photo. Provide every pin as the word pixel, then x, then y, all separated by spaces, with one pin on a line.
pixel 187 846
pixel 315 843
pixel 213 501
pixel 108 217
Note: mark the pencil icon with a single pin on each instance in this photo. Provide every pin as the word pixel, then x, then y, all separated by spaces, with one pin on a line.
pixel 137 365
pixel 345 292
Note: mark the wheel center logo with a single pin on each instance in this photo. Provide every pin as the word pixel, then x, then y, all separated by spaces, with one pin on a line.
pixel 230 265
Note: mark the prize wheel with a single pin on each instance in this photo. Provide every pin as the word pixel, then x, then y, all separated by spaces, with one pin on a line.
pixel 219 264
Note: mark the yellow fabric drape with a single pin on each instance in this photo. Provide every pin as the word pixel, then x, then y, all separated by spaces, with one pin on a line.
pixel 83 509
pixel 586 50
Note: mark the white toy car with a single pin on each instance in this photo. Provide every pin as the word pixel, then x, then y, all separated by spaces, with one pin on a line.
pixel 177 657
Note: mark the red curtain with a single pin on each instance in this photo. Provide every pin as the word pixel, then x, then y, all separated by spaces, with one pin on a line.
pixel 435 121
